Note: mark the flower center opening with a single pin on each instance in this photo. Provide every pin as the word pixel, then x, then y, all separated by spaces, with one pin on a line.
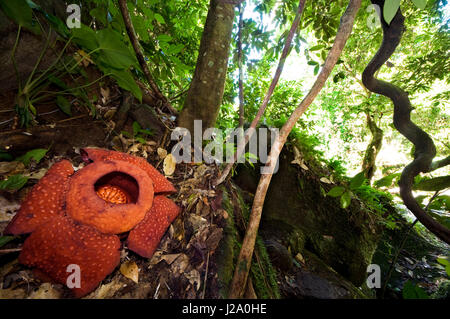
pixel 117 188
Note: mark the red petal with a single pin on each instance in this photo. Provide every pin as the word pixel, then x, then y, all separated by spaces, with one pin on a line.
pixel 54 246
pixel 145 237
pixel 160 183
pixel 44 202
pixel 85 206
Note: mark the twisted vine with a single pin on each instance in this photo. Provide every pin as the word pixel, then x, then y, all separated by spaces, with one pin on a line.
pixel 425 150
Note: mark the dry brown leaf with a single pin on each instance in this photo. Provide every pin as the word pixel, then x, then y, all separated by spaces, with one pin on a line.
pixel 180 264
pixel 300 258
pixel 46 291
pixel 130 270
pixel 162 153
pixel 37 175
pixel 169 165
pixel 197 222
pixel 107 290
pixel 11 168
pixel 194 278
pixel 134 148
pixel 105 94
pixel 325 180
pixel 86 58
pixel 7 209
pixel 109 114
pixel 170 258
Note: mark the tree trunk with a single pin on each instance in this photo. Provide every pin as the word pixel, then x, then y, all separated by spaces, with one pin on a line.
pixel 205 94
pixel 373 148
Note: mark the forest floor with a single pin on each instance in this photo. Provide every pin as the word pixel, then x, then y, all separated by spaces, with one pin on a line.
pixel 182 266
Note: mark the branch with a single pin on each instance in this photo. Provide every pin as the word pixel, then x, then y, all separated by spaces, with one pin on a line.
pixel 425 150
pixel 273 84
pixel 140 56
pixel 440 163
pixel 245 255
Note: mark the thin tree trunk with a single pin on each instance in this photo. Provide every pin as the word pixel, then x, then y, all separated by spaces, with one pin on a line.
pixel 373 148
pixel 241 67
pixel 273 84
pixel 205 93
pixel 245 255
pixel 140 56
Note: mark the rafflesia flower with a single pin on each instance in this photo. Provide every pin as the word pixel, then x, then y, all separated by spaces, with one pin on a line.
pixel 74 217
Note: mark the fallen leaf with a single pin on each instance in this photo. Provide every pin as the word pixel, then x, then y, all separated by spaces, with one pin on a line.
pixel 11 168
pixel 37 175
pixel 325 180
pixel 169 165
pixel 194 278
pixel 130 270
pixel 300 258
pixel 7 209
pixel 45 291
pixel 170 258
pixel 162 153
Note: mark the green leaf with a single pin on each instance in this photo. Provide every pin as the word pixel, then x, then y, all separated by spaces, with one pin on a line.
pixel 443 261
pixel 421 4
pixel 57 24
pixel 346 199
pixel 99 14
pixel 390 9
pixel 316 69
pixel 58 82
pixel 85 37
pixel 36 154
pixel 112 51
pixel 316 47
pixel 4 156
pixel 126 81
pixel 5 239
pixel 357 181
pixel 20 12
pixel 13 183
pixel 312 62
pixel 136 128
pixel 433 184
pixel 159 18
pixel 411 291
pixel 164 38
pixel 386 181
pixel 64 105
pixel 336 191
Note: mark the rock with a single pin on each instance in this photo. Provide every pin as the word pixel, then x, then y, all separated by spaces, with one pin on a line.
pixel 318 281
pixel 279 255
pixel 297 211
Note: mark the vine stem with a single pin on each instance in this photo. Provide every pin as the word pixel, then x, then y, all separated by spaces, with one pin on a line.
pixel 140 56
pixel 245 255
pixel 425 150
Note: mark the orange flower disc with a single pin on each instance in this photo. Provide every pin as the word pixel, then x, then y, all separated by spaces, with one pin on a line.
pixel 160 183
pixel 112 194
pixel 84 205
